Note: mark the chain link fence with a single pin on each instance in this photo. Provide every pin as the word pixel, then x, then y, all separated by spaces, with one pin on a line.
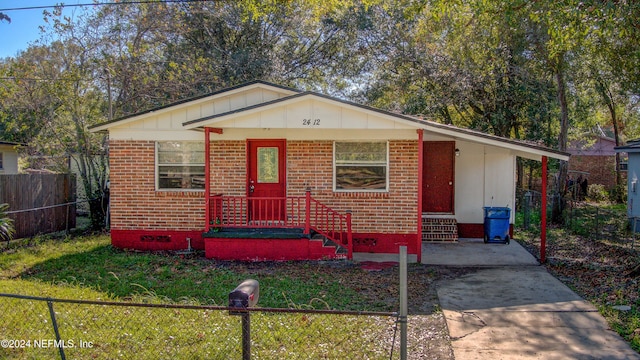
pixel 45 328
pixel 580 218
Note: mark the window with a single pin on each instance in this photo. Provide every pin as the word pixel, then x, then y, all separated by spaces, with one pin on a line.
pixel 180 165
pixel 360 166
pixel 624 166
pixel 268 165
pixel 1 164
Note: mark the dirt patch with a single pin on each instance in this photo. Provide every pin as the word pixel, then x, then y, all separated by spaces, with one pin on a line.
pixel 601 271
pixel 604 271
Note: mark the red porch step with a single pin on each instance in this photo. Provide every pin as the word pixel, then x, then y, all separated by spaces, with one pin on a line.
pixel 321 248
pixel 255 245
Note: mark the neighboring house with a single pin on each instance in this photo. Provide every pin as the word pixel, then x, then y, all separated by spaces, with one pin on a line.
pixel 594 158
pixel 9 157
pixel 281 166
pixel 632 148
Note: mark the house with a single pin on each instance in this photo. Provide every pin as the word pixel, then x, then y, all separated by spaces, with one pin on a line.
pixel 9 157
pixel 291 175
pixel 594 157
pixel 632 148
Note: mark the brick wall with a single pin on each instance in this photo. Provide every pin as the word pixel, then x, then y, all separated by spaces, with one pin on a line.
pixel 228 168
pixel 135 204
pixel 601 169
pixel 310 164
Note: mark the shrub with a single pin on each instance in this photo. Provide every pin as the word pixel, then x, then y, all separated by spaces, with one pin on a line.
pixel 6 224
pixel 597 193
pixel 618 194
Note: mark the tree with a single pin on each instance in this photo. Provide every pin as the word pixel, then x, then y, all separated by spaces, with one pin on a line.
pixel 127 58
pixel 56 99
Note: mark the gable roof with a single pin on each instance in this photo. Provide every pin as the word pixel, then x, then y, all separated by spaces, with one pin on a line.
pixel 290 96
pixel 592 145
pixel 190 101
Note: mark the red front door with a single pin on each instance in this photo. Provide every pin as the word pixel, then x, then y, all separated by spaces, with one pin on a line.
pixel 266 187
pixel 438 177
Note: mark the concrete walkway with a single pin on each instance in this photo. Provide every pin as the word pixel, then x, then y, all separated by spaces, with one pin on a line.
pixel 512 308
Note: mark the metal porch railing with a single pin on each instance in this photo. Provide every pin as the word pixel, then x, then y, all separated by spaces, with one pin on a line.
pixel 280 212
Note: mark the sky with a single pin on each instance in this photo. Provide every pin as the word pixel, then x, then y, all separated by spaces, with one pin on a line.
pixel 24 26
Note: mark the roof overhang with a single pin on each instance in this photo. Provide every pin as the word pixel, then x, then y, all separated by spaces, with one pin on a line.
pixel 13 144
pixel 520 148
pixel 294 97
pixel 632 146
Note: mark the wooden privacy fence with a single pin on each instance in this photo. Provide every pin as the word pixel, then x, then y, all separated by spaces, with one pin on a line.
pixel 39 203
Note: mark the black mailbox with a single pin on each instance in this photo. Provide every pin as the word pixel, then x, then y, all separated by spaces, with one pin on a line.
pixel 245 295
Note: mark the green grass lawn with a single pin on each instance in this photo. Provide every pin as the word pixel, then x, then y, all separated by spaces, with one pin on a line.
pixel 91 262
pixel 89 268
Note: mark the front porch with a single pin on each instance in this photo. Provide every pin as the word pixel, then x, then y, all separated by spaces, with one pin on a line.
pixel 265 244
pixel 275 228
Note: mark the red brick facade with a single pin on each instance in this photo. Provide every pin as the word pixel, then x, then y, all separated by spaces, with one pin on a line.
pixel 310 164
pixel 137 206
pixel 601 169
pixel 135 203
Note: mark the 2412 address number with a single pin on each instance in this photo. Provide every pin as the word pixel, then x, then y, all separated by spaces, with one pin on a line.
pixel 311 122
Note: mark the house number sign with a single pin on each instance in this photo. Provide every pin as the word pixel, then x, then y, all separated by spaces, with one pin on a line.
pixel 311 122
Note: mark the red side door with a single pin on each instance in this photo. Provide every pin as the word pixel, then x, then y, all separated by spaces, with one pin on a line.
pixel 438 177
pixel 266 187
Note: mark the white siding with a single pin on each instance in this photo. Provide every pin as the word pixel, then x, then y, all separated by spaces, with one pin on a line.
pixel 485 176
pixel 469 183
pixel 499 188
pixel 173 118
pixel 308 114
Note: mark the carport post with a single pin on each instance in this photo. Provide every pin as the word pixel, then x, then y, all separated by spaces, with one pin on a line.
pixel 543 212
pixel 420 170
pixel 207 178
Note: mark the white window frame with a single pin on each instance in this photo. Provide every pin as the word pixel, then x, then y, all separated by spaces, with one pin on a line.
pixel 157 168
pixel 335 165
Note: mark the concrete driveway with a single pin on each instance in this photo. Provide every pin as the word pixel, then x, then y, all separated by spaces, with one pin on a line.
pixel 512 308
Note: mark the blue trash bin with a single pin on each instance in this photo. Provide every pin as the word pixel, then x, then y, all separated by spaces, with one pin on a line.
pixel 496 224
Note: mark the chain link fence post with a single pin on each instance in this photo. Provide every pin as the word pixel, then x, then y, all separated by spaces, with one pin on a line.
pixel 597 226
pixel 59 344
pixel 527 210
pixel 403 303
pixel 633 232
